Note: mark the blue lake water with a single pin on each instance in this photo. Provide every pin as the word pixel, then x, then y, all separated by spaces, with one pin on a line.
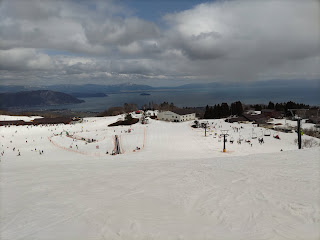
pixel 196 98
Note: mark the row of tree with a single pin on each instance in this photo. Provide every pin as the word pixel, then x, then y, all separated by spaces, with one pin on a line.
pixel 236 108
pixel 283 107
pixel 223 110
pixel 211 112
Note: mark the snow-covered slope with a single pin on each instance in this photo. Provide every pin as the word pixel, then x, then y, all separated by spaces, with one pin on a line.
pixel 179 185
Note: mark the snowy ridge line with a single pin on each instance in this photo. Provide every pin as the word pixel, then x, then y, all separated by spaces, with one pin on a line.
pixel 73 150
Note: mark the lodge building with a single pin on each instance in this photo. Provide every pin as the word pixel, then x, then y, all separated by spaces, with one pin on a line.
pixel 179 115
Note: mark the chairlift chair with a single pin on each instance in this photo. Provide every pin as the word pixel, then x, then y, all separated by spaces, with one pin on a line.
pixel 267 133
pixel 261 135
pixel 254 135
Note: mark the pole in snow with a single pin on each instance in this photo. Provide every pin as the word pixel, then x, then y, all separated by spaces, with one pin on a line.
pixel 224 133
pixel 299 133
pixel 205 129
pixel 299 130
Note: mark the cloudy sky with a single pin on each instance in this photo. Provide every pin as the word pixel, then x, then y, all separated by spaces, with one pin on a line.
pixel 158 42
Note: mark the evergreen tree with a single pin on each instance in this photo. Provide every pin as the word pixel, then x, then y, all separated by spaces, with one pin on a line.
pixel 270 105
pixel 225 111
pixel 207 113
pixel 239 108
pixel 279 107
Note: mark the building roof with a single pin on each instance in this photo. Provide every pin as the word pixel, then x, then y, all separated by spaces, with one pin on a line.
pixel 250 117
pixel 268 110
pixel 12 122
pixel 36 121
pixel 260 118
pixel 52 120
pixel 236 119
pixel 183 111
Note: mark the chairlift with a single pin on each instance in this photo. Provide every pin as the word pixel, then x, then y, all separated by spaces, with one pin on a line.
pixel 267 133
pixel 261 135
pixel 254 135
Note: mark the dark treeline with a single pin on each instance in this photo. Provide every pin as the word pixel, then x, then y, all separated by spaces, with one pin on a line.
pixel 223 110
pixel 283 107
pixel 236 108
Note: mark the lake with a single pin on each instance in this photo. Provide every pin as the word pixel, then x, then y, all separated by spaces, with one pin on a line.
pixel 196 98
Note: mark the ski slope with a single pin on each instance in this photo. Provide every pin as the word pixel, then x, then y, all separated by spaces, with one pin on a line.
pixel 179 185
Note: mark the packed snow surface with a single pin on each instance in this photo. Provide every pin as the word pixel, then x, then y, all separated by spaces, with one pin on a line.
pixel 171 182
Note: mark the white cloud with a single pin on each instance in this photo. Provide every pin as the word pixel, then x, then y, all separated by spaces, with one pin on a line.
pixel 103 41
pixel 24 59
pixel 245 38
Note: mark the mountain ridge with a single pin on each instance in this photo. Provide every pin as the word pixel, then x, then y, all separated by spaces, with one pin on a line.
pixel 36 98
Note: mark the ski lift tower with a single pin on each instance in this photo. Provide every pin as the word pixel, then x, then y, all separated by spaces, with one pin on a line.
pixel 224 133
pixel 205 125
pixel 299 130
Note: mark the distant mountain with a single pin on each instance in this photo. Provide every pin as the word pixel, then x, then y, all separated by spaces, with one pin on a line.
pixel 85 88
pixel 130 87
pixel 315 83
pixel 36 98
pixel 199 85
pixel 96 88
pixel 14 88
pixel 87 95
